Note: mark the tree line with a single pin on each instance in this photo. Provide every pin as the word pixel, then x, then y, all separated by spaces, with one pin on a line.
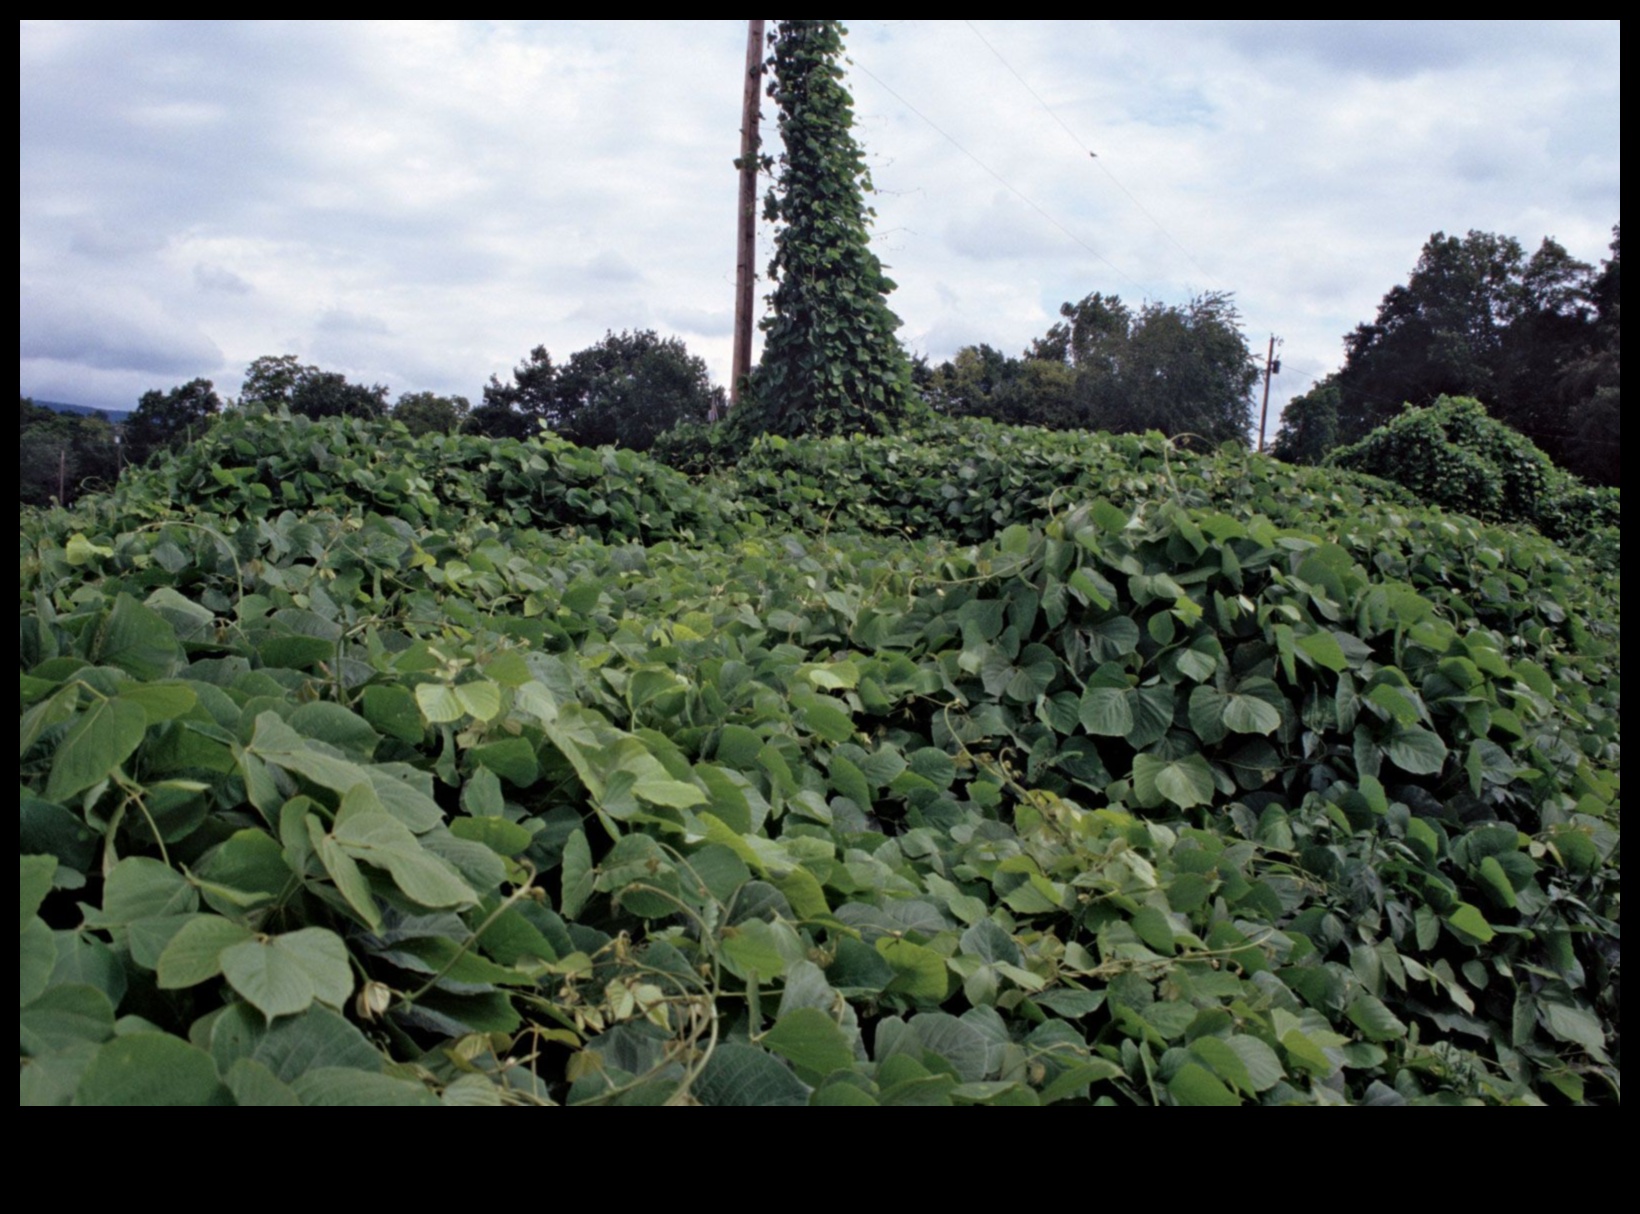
pixel 1535 339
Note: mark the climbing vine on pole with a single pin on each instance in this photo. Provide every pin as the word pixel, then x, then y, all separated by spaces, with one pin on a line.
pixel 831 363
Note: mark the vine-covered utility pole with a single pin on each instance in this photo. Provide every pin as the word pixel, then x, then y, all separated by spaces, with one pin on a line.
pixel 831 363
pixel 746 236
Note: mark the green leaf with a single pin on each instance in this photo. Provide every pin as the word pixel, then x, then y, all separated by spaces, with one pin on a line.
pixel 1471 924
pixel 33 884
pixel 1324 650
pixel 331 1087
pixel 394 711
pixel 150 1069
pixel 811 1041
pixel 138 641
pixel 67 1016
pixel 1264 1069
pixel 918 972
pixel 1369 1014
pixel 745 1076
pixel 384 842
pixel 105 736
pixel 37 958
pixel 1194 1084
pixel 1185 782
pixel 1418 751
pixel 1106 712
pixel 194 953
pixel 499 835
pixel 1249 714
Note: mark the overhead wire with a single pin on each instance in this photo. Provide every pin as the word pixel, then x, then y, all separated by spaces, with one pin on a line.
pixel 1097 159
pixel 1005 183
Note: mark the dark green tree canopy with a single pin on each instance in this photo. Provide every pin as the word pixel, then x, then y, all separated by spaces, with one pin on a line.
pixel 1180 370
pixel 430 413
pixel 1309 425
pixel 164 420
pixel 61 455
pixel 831 363
pixel 283 379
pixel 1478 317
pixel 625 390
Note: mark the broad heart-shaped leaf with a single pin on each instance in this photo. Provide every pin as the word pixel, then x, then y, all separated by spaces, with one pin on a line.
pixel 282 976
pixel 150 1069
pixel 1323 649
pixel 104 737
pixel 1249 714
pixel 1369 1014
pixel 811 1041
pixel 1185 782
pixel 383 841
pixel 744 1075
pixel 1106 712
pixel 195 952
pixel 138 641
pixel 1194 1084
pixel 1419 751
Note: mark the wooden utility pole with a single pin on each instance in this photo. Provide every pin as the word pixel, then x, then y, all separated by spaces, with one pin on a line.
pixel 1271 367
pixel 746 245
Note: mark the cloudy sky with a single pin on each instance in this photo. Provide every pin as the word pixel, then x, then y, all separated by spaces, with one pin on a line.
pixel 421 204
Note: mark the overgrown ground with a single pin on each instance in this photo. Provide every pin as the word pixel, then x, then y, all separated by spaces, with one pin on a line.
pixel 979 766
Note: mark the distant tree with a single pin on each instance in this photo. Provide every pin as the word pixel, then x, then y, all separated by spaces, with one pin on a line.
pixel 625 390
pixel 430 413
pixel 1480 318
pixel 272 378
pixel 163 420
pixel 630 388
pixel 282 379
pixel 516 410
pixel 831 363
pixel 62 455
pixel 1591 386
pixel 1309 425
pixel 1180 370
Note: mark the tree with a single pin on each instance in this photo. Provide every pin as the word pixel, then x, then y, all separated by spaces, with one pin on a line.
pixel 831 363
pixel 1477 317
pixel 626 390
pixel 430 413
pixel 1180 370
pixel 1309 425
pixel 61 455
pixel 1591 386
pixel 164 420
pixel 276 380
pixel 630 388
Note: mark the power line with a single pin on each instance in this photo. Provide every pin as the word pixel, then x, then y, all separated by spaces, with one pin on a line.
pixel 1082 146
pixel 1003 181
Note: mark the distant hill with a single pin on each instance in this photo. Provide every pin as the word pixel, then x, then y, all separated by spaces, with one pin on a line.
pixel 113 415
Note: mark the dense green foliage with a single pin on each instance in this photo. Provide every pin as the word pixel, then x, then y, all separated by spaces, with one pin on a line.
pixel 1180 370
pixel 625 391
pixel 1537 338
pixel 1453 454
pixel 61 455
pixel 283 380
pixel 831 363
pixel 364 768
pixel 164 421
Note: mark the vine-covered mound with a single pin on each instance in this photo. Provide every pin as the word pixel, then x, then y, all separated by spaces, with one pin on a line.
pixel 358 768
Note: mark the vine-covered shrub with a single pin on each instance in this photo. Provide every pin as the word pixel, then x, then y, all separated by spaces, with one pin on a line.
pixel 1452 454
